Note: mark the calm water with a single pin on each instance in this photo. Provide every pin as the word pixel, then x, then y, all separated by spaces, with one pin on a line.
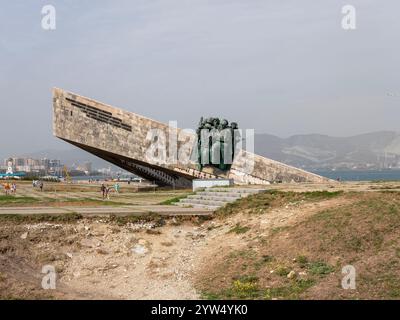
pixel 355 175
pixel 80 178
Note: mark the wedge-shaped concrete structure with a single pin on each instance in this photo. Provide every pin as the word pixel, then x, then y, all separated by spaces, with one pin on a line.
pixel 124 139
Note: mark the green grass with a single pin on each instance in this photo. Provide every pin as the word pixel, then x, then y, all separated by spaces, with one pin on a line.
pixel 248 288
pixel 238 229
pixel 289 292
pixel 319 268
pixel 259 203
pixel 282 271
pixel 17 200
pixel 14 199
pixel 302 261
pixel 174 200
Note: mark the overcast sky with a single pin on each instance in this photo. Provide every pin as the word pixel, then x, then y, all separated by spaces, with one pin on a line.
pixel 280 67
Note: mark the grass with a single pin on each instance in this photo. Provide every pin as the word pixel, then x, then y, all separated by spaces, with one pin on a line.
pixel 262 202
pixel 282 271
pixel 17 218
pixel 360 226
pixel 17 200
pixel 149 217
pixel 320 268
pixel 23 201
pixel 289 292
pixel 249 288
pixel 363 230
pixel 174 200
pixel 238 229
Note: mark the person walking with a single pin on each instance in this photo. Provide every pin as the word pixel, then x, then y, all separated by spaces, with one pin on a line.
pixel 103 190
pixel 14 188
pixel 7 188
pixel 108 190
pixel 116 187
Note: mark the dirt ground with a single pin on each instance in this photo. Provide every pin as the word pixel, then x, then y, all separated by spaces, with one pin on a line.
pixel 192 258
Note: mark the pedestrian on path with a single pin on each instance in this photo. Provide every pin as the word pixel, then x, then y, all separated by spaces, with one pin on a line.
pixel 7 188
pixel 108 190
pixel 103 190
pixel 14 188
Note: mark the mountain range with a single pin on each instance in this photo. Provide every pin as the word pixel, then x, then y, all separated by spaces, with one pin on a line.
pixel 375 150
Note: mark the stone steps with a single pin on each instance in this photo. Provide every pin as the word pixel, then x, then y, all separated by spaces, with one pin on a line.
pixel 215 198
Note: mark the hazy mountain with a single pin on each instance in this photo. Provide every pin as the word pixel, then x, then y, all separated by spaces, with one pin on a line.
pixel 370 150
pixel 312 151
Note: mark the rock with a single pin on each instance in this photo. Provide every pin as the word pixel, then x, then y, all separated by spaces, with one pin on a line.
pixel 87 243
pixel 24 235
pixel 140 249
pixel 291 274
pixel 69 255
pixel 101 251
pixel 153 232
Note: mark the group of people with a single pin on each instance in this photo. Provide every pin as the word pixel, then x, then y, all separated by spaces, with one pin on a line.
pixel 36 183
pixel 106 190
pixel 10 188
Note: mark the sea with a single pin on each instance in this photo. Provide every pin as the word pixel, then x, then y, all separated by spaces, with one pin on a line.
pixel 360 175
pixel 84 178
pixel 343 175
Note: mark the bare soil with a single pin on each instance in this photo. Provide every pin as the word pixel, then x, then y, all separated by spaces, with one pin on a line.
pixel 278 245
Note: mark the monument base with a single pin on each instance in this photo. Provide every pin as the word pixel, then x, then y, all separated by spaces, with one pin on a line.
pixel 209 183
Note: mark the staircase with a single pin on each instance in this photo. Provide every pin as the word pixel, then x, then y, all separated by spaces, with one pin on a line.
pixel 214 198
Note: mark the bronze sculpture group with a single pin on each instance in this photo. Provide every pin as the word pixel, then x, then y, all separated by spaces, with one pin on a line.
pixel 216 136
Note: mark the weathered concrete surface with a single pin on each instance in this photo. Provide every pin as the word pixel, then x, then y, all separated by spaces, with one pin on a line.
pixel 124 138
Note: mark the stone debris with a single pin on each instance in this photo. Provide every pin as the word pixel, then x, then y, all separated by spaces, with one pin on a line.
pixel 101 251
pixel 44 225
pixel 141 226
pixel 24 235
pixel 140 249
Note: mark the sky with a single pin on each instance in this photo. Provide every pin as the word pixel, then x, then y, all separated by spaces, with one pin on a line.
pixel 279 67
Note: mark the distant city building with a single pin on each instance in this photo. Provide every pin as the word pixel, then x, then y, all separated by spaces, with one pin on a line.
pixel 30 165
pixel 86 167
